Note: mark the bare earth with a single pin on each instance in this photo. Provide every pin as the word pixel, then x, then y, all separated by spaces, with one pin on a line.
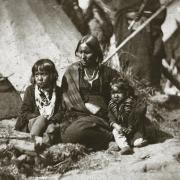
pixel 159 160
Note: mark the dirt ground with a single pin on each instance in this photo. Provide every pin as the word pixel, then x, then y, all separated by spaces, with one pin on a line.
pixel 33 29
pixel 160 159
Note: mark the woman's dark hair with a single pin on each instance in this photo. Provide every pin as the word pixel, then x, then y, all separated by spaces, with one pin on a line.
pixel 93 43
pixel 45 65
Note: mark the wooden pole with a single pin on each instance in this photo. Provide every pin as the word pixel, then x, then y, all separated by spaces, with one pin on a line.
pixel 165 71
pixel 141 27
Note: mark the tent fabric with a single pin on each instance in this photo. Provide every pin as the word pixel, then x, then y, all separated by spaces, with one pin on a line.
pixel 32 30
pixel 10 100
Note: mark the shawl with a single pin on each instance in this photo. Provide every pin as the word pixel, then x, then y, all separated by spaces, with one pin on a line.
pixel 71 95
pixel 71 90
pixel 44 103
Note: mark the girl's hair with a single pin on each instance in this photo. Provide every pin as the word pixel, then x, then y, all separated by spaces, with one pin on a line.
pixel 93 43
pixel 45 65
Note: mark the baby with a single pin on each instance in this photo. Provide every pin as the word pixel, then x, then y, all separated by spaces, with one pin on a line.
pixel 126 118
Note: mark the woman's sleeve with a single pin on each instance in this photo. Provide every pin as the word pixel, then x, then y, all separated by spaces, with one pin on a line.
pixel 27 110
pixel 112 118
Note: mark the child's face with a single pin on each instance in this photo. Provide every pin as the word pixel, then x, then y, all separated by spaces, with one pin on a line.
pixel 42 79
pixel 118 96
pixel 117 93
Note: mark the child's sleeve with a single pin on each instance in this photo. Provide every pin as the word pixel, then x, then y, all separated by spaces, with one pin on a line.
pixel 59 113
pixel 112 118
pixel 27 110
pixel 57 118
pixel 126 108
pixel 112 112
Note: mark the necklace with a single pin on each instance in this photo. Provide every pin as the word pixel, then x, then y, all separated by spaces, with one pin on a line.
pixel 91 78
pixel 88 76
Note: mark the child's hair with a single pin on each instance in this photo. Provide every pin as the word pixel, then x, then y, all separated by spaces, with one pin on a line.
pixel 45 65
pixel 118 84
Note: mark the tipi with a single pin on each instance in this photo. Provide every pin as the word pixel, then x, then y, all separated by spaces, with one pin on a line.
pixel 10 100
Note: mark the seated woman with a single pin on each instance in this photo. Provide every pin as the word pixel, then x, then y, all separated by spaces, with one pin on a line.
pixel 86 93
pixel 41 110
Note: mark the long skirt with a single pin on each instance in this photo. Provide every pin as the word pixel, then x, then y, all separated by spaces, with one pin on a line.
pixel 91 131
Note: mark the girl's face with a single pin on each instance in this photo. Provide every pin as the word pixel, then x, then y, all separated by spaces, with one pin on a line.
pixel 42 79
pixel 87 56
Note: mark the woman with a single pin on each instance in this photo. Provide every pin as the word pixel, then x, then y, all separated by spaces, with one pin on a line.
pixel 86 93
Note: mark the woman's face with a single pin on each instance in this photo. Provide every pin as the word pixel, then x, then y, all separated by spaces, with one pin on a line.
pixel 87 56
pixel 42 79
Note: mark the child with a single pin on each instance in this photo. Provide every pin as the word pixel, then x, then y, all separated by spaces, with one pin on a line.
pixel 126 116
pixel 41 110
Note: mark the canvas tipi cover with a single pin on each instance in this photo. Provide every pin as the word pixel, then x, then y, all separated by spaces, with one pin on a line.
pixel 10 100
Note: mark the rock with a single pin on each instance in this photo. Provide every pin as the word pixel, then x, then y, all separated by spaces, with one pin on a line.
pixel 23 146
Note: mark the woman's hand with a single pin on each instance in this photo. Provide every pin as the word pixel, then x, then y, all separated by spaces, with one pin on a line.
pixel 92 108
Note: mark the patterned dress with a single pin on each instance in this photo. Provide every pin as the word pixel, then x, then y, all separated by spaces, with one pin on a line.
pixel 128 113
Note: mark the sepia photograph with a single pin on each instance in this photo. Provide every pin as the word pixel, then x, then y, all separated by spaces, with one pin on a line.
pixel 89 89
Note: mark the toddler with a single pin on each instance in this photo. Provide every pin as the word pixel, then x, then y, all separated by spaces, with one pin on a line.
pixel 126 116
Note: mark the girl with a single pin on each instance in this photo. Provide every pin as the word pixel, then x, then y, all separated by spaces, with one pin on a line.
pixel 41 110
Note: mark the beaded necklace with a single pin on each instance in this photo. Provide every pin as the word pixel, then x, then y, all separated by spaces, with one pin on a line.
pixel 91 78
